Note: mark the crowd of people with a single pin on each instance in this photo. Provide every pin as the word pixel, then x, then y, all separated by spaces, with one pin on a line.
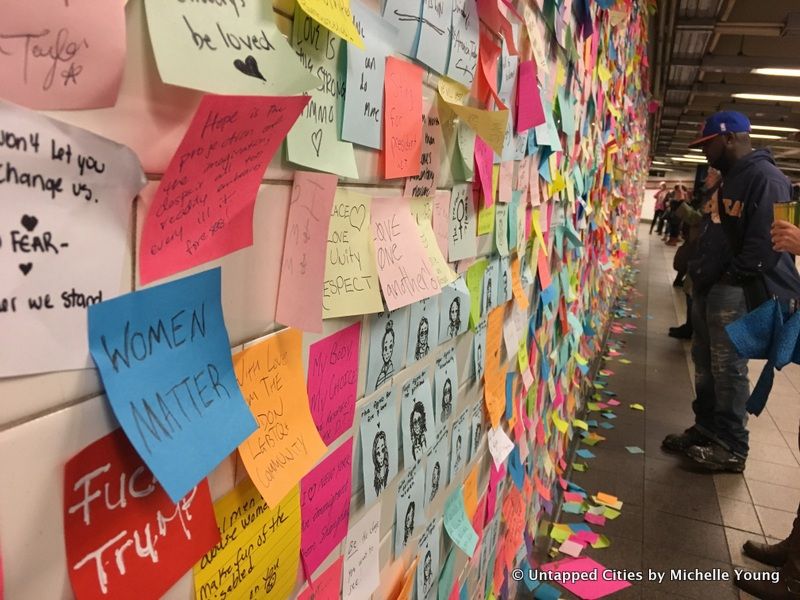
pixel 734 256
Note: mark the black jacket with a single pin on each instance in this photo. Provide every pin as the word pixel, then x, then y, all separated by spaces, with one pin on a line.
pixel 749 190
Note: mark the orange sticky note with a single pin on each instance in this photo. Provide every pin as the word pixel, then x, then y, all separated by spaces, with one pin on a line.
pixel 402 145
pixel 287 444
pixel 606 498
pixel 543 269
pixel 494 378
pixel 516 285
pixel 471 492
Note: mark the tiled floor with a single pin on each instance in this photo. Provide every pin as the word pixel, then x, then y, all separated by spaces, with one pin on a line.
pixel 675 516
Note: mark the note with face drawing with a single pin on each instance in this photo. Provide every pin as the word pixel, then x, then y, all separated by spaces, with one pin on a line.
pixel 417 419
pixel 228 47
pixel 388 334
pixel 380 454
pixel 423 329
pixel 409 512
pixel 446 385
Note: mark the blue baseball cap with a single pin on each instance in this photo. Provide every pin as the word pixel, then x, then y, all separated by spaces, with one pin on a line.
pixel 726 121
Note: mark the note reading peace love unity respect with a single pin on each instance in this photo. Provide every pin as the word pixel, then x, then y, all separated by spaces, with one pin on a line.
pixel 164 358
pixel 203 208
pixel 286 444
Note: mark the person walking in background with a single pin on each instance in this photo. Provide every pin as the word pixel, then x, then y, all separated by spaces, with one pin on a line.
pixel 661 199
pixel 679 195
pixel 785 555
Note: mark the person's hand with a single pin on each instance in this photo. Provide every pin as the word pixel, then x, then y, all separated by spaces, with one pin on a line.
pixel 785 237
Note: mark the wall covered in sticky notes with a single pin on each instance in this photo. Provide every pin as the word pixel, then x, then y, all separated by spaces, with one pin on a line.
pixel 299 300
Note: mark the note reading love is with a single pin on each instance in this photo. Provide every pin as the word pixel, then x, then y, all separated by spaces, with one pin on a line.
pixel 62 55
pixel 405 272
pixel 332 381
pixel 169 537
pixel 203 208
pixel 164 357
pixel 402 125
pixel 286 444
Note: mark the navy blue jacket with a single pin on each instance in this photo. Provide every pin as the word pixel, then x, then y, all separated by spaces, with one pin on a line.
pixel 749 190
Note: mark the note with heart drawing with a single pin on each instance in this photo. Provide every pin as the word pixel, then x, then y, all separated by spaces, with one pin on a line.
pixel 351 284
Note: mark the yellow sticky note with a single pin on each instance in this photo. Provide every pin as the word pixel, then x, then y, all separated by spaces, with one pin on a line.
pixel 351 285
pixel 560 532
pixel 495 180
pixel 488 124
pixel 516 285
pixel 637 406
pixel 580 424
pixel 287 444
pixel 522 354
pixel 560 423
pixel 486 220
pixel 475 287
pixel 259 544
pixel 335 16
pixel 602 542
pixel 610 513
pixel 603 72
pixel 422 209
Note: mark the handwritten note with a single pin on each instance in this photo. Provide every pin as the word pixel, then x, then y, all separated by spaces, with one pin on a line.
pixel 422 209
pixel 203 208
pixel 437 470
pixel 446 386
pixel 303 266
pixel 464 42
pixel 362 119
pixel 388 336
pixel 327 586
pixel 423 329
pixel 483 167
pixel 462 240
pixel 488 124
pixel 477 428
pixel 500 445
pixel 428 553
pixel 96 533
pixel 434 34
pixel 405 272
pixel 286 444
pixel 351 285
pixel 404 16
pixel 402 126
pixel 361 558
pixel 259 553
pixel 457 524
pixel 459 444
pixel 314 140
pixel 424 184
pixel 66 194
pixel 335 16
pixel 454 305
pixel 418 420
pixel 325 505
pixel 164 357
pixel 225 48
pixel 409 505
pixel 62 55
pixel 332 381
pixel 380 452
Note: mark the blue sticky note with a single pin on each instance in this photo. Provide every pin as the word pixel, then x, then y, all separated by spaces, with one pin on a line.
pixel 546 592
pixel 457 524
pixel 510 377
pixel 447 576
pixel 584 453
pixel 515 468
pixel 527 576
pixel 606 425
pixel 464 593
pixel 165 361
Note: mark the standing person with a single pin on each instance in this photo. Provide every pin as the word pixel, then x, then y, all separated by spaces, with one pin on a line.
pixel 674 223
pixel 661 197
pixel 785 554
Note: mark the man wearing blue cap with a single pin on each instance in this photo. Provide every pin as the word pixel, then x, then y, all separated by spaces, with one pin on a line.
pixel 737 270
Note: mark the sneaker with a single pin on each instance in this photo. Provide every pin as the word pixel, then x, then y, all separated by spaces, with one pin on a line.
pixel 681 333
pixel 716 458
pixel 680 442
pixel 774 555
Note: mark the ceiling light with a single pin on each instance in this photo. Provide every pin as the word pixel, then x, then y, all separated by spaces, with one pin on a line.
pixel 694 150
pixel 776 72
pixel 774 128
pixel 767 97
pixel 690 159
pixel 657 162
pixel 765 136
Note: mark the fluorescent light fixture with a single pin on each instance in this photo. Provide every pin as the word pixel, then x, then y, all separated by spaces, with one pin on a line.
pixel 694 150
pixel 765 136
pixel 690 159
pixel 774 128
pixel 776 72
pixel 657 162
pixel 767 97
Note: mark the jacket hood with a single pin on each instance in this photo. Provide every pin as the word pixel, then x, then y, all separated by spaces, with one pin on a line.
pixel 756 157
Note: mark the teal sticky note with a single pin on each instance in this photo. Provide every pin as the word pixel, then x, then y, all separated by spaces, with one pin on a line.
pixel 457 524
pixel 446 578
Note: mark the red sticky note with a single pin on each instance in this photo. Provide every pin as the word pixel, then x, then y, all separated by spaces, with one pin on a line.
pixel 332 381
pixel 530 111
pixel 325 506
pixel 402 142
pixel 487 76
pixel 203 208
pixel 124 537
pixel 543 269
pixel 484 156
pixel 327 586
pixel 303 266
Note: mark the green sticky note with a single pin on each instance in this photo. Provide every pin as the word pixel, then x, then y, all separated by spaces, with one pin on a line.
pixel 475 287
pixel 602 542
pixel 637 406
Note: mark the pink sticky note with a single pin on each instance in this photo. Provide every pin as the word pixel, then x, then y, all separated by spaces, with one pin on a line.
pixel 495 477
pixel 530 111
pixel 332 381
pixel 586 590
pixel 325 505
pixel 484 156
pixel 585 537
pixel 327 586
pixel 402 147
pixel 404 268
pixel 543 269
pixel 62 55
pixel 303 266
pixel 203 208
pixel 571 548
pixel 594 519
pixel 573 497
